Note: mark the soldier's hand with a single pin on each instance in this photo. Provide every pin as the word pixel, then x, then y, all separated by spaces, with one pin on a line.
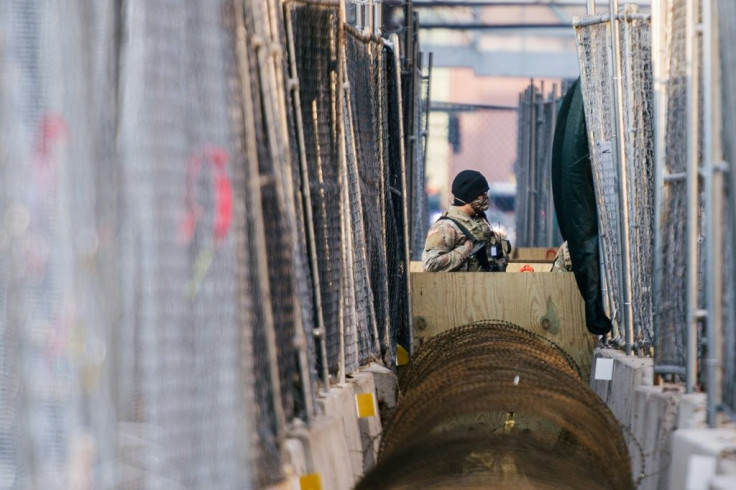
pixel 467 247
pixel 476 245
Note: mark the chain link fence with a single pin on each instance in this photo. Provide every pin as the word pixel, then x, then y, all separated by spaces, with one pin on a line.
pixel 483 137
pixel 536 225
pixel 593 36
pixel 198 217
pixel 726 18
pixel 672 278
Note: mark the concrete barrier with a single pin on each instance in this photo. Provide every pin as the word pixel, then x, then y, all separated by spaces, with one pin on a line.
pixel 338 445
pixel 699 456
pixel 668 442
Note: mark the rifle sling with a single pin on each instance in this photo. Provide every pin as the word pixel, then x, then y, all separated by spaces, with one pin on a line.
pixel 481 254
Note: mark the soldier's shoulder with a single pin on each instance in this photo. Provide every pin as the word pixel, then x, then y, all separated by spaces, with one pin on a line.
pixel 444 224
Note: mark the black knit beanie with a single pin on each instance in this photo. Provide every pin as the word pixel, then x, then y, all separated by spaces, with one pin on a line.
pixel 468 185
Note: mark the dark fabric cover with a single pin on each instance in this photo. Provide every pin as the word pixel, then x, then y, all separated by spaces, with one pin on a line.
pixel 575 205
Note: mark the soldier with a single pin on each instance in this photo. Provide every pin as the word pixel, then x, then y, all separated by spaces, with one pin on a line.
pixel 462 239
pixel 562 261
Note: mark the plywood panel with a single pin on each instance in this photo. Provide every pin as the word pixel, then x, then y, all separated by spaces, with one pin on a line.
pixel 538 266
pixel 536 254
pixel 415 266
pixel 543 266
pixel 547 304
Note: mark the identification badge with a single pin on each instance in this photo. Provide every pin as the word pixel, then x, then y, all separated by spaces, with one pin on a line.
pixel 493 251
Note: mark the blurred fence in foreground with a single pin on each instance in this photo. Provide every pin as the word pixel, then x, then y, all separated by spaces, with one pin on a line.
pixel 204 222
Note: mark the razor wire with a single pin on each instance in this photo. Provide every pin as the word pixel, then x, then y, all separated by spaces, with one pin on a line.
pixel 593 38
pixel 727 16
pixel 481 389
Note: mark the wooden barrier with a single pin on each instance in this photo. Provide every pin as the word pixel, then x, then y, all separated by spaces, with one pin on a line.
pixel 547 304
pixel 536 266
pixel 543 266
pixel 533 254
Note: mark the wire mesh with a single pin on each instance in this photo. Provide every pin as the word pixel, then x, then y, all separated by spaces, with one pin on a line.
pixel 593 48
pixel 420 96
pixel 182 419
pixel 317 64
pixel 671 309
pixel 397 261
pixel 463 128
pixel 597 89
pixel 639 138
pixel 365 174
pixel 155 294
pixel 726 16
pixel 493 381
pixel 54 398
pixel 537 116
pixel 288 278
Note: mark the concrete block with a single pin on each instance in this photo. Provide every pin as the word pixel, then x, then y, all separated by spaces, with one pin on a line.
pixel 370 427
pixel 654 419
pixel 628 374
pixel 340 403
pixel 296 458
pixel 723 483
pixel 387 389
pixel 325 446
pixel 698 455
pixel 693 411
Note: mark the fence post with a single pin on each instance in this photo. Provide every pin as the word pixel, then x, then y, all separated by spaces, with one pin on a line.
pixel 320 333
pixel 404 187
pixel 693 230
pixel 713 190
pixel 254 201
pixel 619 153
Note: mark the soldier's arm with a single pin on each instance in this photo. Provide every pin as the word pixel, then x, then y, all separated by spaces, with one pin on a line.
pixel 445 249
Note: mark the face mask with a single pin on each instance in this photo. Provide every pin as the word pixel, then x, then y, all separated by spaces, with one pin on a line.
pixel 480 203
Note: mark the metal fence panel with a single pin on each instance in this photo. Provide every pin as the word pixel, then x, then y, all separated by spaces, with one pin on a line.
pixel 593 46
pixel 671 302
pixel 597 89
pixel 184 416
pixel 54 331
pixel 317 62
pixel 363 57
pixel 535 220
pixel 639 139
pixel 396 246
pixel 727 16
pixel 156 302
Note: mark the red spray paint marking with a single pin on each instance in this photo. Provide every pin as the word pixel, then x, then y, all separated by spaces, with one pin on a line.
pixel 222 187
pixel 52 129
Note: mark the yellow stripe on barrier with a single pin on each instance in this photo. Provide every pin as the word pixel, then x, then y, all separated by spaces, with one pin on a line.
pixel 311 481
pixel 366 404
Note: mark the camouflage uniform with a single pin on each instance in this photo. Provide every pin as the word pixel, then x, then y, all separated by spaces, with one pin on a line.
pixel 447 250
pixel 562 261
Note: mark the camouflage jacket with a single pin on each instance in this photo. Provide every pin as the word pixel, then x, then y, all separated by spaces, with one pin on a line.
pixel 562 261
pixel 446 249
